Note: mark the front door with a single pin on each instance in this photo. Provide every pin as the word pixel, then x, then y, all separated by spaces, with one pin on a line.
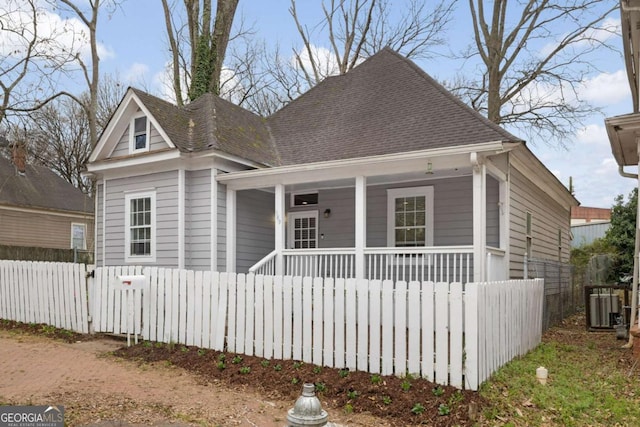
pixel 303 230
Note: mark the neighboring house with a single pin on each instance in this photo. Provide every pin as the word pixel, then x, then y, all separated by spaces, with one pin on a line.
pixel 586 233
pixel 380 173
pixel 589 215
pixel 40 209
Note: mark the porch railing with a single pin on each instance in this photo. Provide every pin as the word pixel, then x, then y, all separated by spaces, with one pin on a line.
pixel 438 263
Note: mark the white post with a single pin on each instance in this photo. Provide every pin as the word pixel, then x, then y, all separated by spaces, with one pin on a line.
pixel 214 220
pixel 360 225
pixel 479 218
pixel 181 217
pixel 279 228
pixel 231 230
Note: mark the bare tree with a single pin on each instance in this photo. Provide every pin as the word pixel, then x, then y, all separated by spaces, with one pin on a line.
pixel 356 29
pixel 197 59
pixel 534 56
pixel 30 59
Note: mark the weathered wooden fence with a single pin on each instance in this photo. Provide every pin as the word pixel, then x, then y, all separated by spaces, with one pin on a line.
pixel 436 330
pixel 45 292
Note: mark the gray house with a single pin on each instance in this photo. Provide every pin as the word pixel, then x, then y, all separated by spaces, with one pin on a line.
pixel 379 173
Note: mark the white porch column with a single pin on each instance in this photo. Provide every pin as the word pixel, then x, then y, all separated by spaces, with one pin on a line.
pixel 479 218
pixel 279 228
pixel 360 225
pixel 231 230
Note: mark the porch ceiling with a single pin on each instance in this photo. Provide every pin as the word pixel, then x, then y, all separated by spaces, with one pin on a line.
pixel 378 169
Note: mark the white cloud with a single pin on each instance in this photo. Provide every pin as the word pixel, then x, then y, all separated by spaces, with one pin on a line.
pixel 326 61
pixel 136 73
pixel 609 28
pixel 593 134
pixel 59 37
pixel 606 88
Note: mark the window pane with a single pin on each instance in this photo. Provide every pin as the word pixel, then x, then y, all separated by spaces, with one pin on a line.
pixel 410 203
pixel 304 222
pixel 399 236
pixel 420 203
pixel 411 235
pixel 140 125
pixel 420 237
pixel 400 204
pixel 400 220
pixel 141 141
pixel 411 219
pixel 420 218
pixel 312 222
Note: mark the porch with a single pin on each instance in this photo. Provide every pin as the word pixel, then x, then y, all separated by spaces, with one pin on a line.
pixel 439 217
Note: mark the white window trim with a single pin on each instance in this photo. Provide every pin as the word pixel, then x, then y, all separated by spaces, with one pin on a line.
pixel 84 235
pixel 128 257
pixel 297 193
pixel 290 231
pixel 132 131
pixel 394 193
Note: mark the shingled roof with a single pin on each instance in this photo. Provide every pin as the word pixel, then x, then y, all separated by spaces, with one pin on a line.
pixel 385 105
pixel 212 123
pixel 40 188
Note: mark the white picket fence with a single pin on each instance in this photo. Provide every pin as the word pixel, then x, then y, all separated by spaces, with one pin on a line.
pixel 45 292
pixel 436 330
pixel 442 332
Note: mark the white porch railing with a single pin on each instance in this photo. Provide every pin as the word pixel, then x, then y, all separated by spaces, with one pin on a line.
pixel 436 263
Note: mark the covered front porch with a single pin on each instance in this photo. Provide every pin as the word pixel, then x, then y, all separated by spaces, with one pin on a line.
pixel 437 215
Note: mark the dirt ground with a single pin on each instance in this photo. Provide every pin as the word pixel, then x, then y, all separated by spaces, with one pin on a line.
pixel 99 390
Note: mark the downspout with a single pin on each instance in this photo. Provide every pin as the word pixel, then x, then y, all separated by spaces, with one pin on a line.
pixel 634 285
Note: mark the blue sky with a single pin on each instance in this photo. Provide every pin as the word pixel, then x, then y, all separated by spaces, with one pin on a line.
pixel 134 45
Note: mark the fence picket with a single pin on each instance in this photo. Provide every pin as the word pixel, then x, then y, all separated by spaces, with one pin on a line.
pixel 328 319
pixel 339 324
pixel 374 326
pixel 428 331
pixel 387 327
pixel 351 311
pixel 456 331
pixel 400 328
pixel 318 327
pixel 278 317
pixel 258 328
pixel 297 318
pixel 268 317
pixel 307 319
pixel 241 313
pixel 215 307
pixel 287 318
pixel 471 336
pixel 207 311
pixel 197 308
pixel 222 313
pixel 442 332
pixel 249 346
pixel 362 295
pixel 413 324
pixel 232 313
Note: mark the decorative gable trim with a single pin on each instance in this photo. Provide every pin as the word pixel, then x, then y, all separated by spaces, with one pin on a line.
pixel 130 106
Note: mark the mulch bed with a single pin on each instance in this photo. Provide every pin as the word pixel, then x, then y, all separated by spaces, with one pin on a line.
pixel 401 401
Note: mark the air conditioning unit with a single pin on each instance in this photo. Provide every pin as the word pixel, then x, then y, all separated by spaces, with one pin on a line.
pixel 600 308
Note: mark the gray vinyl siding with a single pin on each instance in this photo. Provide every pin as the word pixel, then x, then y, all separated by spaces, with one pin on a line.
pixel 198 220
pixel 337 231
pixel 548 217
pixel 453 213
pixel 155 140
pixel 222 227
pixel 255 228
pixel 165 185
pixel 99 256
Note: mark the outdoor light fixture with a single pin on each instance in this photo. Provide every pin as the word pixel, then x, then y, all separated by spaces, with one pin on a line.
pixel 327 213
pixel 429 168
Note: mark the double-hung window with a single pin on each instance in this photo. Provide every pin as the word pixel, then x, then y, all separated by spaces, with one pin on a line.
pixel 140 233
pixel 139 134
pixel 78 236
pixel 410 217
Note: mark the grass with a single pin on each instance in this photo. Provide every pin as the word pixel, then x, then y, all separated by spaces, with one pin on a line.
pixel 588 385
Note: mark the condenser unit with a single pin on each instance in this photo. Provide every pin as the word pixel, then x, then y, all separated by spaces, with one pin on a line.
pixel 601 307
